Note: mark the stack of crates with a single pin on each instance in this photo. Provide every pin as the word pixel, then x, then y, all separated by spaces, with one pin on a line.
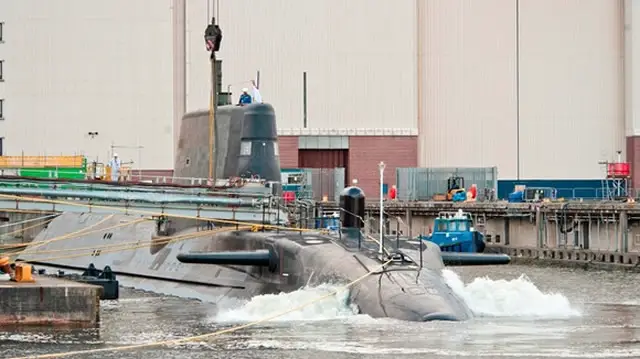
pixel 65 167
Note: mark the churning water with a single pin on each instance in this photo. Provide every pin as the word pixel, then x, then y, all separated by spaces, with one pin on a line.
pixel 520 312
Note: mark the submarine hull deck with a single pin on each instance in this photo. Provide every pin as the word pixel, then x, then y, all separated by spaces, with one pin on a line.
pixel 401 291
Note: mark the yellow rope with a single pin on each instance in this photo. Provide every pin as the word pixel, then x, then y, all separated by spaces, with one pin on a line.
pixel 72 234
pixel 149 213
pixel 245 225
pixel 151 242
pixel 214 334
pixel 27 211
pixel 77 233
pixel 135 246
pixel 24 229
pixel 66 236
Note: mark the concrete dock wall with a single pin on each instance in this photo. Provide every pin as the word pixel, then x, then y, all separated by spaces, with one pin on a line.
pixel 603 232
pixel 49 301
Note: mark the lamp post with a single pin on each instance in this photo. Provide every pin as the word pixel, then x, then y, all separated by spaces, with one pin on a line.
pixel 92 135
pixel 381 168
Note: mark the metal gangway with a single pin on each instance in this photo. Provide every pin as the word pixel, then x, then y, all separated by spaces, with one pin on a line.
pixel 254 203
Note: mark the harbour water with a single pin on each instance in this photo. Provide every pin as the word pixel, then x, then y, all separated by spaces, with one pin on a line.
pixel 522 312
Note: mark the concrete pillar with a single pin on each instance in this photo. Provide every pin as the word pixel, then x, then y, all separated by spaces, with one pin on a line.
pixel 409 221
pixel 624 232
pixel 539 227
pixel 507 232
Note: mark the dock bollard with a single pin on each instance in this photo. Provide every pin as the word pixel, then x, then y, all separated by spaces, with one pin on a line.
pixel 23 273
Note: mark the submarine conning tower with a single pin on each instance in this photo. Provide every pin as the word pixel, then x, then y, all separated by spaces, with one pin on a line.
pixel 246 143
pixel 259 153
pixel 352 206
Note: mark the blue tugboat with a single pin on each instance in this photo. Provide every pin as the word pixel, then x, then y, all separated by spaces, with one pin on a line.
pixel 454 232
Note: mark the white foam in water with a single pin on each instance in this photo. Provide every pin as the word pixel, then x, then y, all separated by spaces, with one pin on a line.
pixel 510 298
pixel 259 307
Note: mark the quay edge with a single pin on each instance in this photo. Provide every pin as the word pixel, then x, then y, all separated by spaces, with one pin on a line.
pixel 49 301
pixel 603 234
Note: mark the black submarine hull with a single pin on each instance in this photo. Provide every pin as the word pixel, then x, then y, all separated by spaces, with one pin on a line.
pixel 402 291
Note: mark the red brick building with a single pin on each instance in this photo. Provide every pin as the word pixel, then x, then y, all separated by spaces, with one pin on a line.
pixel 359 152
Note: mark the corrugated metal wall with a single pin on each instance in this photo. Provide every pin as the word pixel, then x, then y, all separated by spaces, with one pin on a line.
pixel 421 184
pixel 103 65
pixel 571 96
pixel 359 56
pixel 469 99
pixel 73 67
pixel 568 114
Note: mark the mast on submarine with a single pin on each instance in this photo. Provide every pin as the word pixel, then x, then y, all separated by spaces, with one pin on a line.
pixel 213 38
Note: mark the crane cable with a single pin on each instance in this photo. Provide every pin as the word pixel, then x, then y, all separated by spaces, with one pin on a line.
pixel 216 333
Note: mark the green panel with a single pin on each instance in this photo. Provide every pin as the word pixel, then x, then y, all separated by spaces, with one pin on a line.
pixel 63 173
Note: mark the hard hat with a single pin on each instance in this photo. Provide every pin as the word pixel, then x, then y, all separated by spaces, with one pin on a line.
pixel 245 89
pixel 115 155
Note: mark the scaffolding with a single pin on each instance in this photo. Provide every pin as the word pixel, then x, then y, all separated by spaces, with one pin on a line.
pixel 615 184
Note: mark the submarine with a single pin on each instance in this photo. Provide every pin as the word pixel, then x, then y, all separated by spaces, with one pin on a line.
pixel 242 263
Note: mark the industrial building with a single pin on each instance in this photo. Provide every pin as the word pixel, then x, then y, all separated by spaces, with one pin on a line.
pixel 540 89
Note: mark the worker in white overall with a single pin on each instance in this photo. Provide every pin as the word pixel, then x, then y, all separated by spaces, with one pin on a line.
pixel 115 167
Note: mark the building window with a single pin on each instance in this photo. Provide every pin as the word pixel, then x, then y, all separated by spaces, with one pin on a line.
pixel 1 70
pixel 1 109
pixel 1 31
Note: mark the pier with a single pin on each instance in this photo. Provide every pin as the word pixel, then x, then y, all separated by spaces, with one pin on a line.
pixel 48 301
pixel 602 233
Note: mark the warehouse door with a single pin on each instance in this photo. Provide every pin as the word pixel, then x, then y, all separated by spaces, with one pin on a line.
pixel 324 159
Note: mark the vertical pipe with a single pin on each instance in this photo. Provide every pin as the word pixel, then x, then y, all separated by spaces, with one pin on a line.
pixel 624 232
pixel 421 249
pixel 626 73
pixel 258 79
pixel 518 89
pixel 179 66
pixel 278 218
pixel 304 99
pixel 397 234
pixel 381 208
pixel 212 121
pixel 420 77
